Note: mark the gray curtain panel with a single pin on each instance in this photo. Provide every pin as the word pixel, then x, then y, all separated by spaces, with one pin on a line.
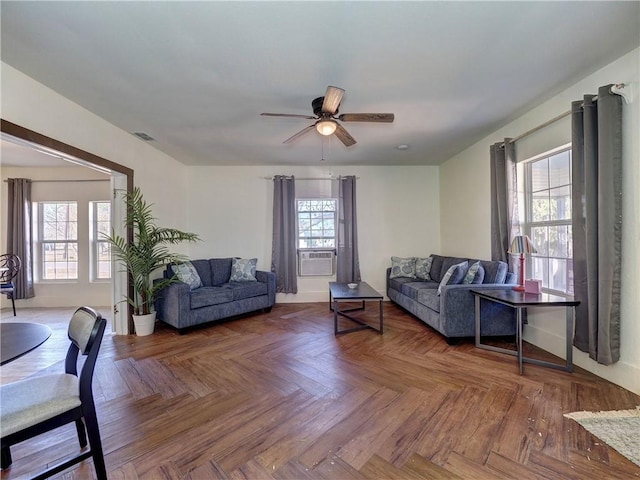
pixel 597 223
pixel 504 201
pixel 348 268
pixel 19 233
pixel 284 247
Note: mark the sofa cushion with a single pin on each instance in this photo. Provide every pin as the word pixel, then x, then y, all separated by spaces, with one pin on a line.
pixel 413 289
pixel 494 271
pixel 455 274
pixel 206 296
pixel 203 269
pixel 440 265
pixel 429 298
pixel 220 271
pixel 475 274
pixel 423 268
pixel 247 289
pixel 396 283
pixel 243 270
pixel 403 267
pixel 187 273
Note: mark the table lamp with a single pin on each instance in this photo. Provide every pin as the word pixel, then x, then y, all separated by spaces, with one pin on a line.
pixel 521 244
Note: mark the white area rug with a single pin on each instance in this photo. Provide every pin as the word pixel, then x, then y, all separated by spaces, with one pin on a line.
pixel 620 429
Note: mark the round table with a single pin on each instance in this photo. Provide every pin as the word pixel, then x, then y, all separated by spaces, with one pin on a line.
pixel 20 338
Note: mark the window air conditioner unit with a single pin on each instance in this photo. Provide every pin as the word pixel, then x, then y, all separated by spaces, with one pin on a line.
pixel 316 262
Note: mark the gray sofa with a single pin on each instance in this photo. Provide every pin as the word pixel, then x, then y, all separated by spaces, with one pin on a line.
pixel 452 312
pixel 217 298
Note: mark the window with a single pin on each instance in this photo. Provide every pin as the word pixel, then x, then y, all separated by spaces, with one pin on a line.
pixel 59 240
pixel 317 223
pixel 548 219
pixel 100 247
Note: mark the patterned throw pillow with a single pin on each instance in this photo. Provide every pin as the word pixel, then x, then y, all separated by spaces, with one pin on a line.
pixel 243 270
pixel 474 275
pixel 403 267
pixel 454 275
pixel 423 268
pixel 188 274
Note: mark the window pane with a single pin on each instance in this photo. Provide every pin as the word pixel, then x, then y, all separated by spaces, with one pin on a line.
pixel 540 239
pixel 49 231
pixel 560 203
pixel 540 206
pixel 103 212
pixel 558 274
pixel 560 169
pixel 540 175
pixel 540 270
pixel 49 212
pixel 559 241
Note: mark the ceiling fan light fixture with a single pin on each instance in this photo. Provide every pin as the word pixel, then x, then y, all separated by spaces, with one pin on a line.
pixel 326 127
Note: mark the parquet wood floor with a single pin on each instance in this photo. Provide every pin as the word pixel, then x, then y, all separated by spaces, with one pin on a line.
pixel 277 396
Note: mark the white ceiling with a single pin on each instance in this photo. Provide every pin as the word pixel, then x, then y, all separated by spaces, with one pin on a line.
pixel 196 75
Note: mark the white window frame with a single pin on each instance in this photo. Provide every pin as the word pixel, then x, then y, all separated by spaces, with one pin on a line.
pixel 43 242
pixel 536 262
pixel 97 240
pixel 332 239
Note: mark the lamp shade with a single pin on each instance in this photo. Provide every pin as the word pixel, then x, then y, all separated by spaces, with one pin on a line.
pixel 326 127
pixel 522 244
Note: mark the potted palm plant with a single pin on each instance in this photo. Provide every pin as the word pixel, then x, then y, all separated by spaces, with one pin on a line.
pixel 147 252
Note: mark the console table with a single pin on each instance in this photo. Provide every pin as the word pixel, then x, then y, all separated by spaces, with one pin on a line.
pixel 520 301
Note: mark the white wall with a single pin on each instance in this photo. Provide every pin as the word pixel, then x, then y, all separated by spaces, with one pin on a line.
pixel 398 214
pixel 67 292
pixel 30 104
pixel 465 215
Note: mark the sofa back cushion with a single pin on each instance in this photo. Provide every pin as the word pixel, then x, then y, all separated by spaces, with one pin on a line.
pixel 440 265
pixel 204 271
pixel 495 271
pixel 220 271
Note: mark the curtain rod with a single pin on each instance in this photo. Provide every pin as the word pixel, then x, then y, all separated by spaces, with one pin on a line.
pixel 63 181
pixel 312 178
pixel 614 89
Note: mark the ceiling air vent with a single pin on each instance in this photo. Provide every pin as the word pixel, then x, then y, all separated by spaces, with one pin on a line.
pixel 144 136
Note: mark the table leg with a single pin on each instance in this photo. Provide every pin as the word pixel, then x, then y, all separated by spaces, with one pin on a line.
pixel 381 326
pixel 477 321
pixel 335 317
pixel 519 339
pixel 570 320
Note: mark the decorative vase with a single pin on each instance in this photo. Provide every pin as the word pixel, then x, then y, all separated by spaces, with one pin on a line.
pixel 144 324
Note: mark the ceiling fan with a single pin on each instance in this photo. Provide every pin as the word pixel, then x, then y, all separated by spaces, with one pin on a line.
pixel 325 111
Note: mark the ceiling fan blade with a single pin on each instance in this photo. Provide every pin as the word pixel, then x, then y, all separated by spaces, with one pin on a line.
pixel 332 99
pixel 300 133
pixel 293 115
pixel 367 117
pixel 344 136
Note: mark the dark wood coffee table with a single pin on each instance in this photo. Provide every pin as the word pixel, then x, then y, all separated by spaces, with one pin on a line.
pixel 340 292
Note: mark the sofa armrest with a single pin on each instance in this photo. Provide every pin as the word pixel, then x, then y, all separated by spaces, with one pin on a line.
pixel 387 277
pixel 457 307
pixel 270 279
pixel 174 304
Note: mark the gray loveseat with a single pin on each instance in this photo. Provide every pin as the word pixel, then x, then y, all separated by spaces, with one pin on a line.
pixel 217 298
pixel 452 312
